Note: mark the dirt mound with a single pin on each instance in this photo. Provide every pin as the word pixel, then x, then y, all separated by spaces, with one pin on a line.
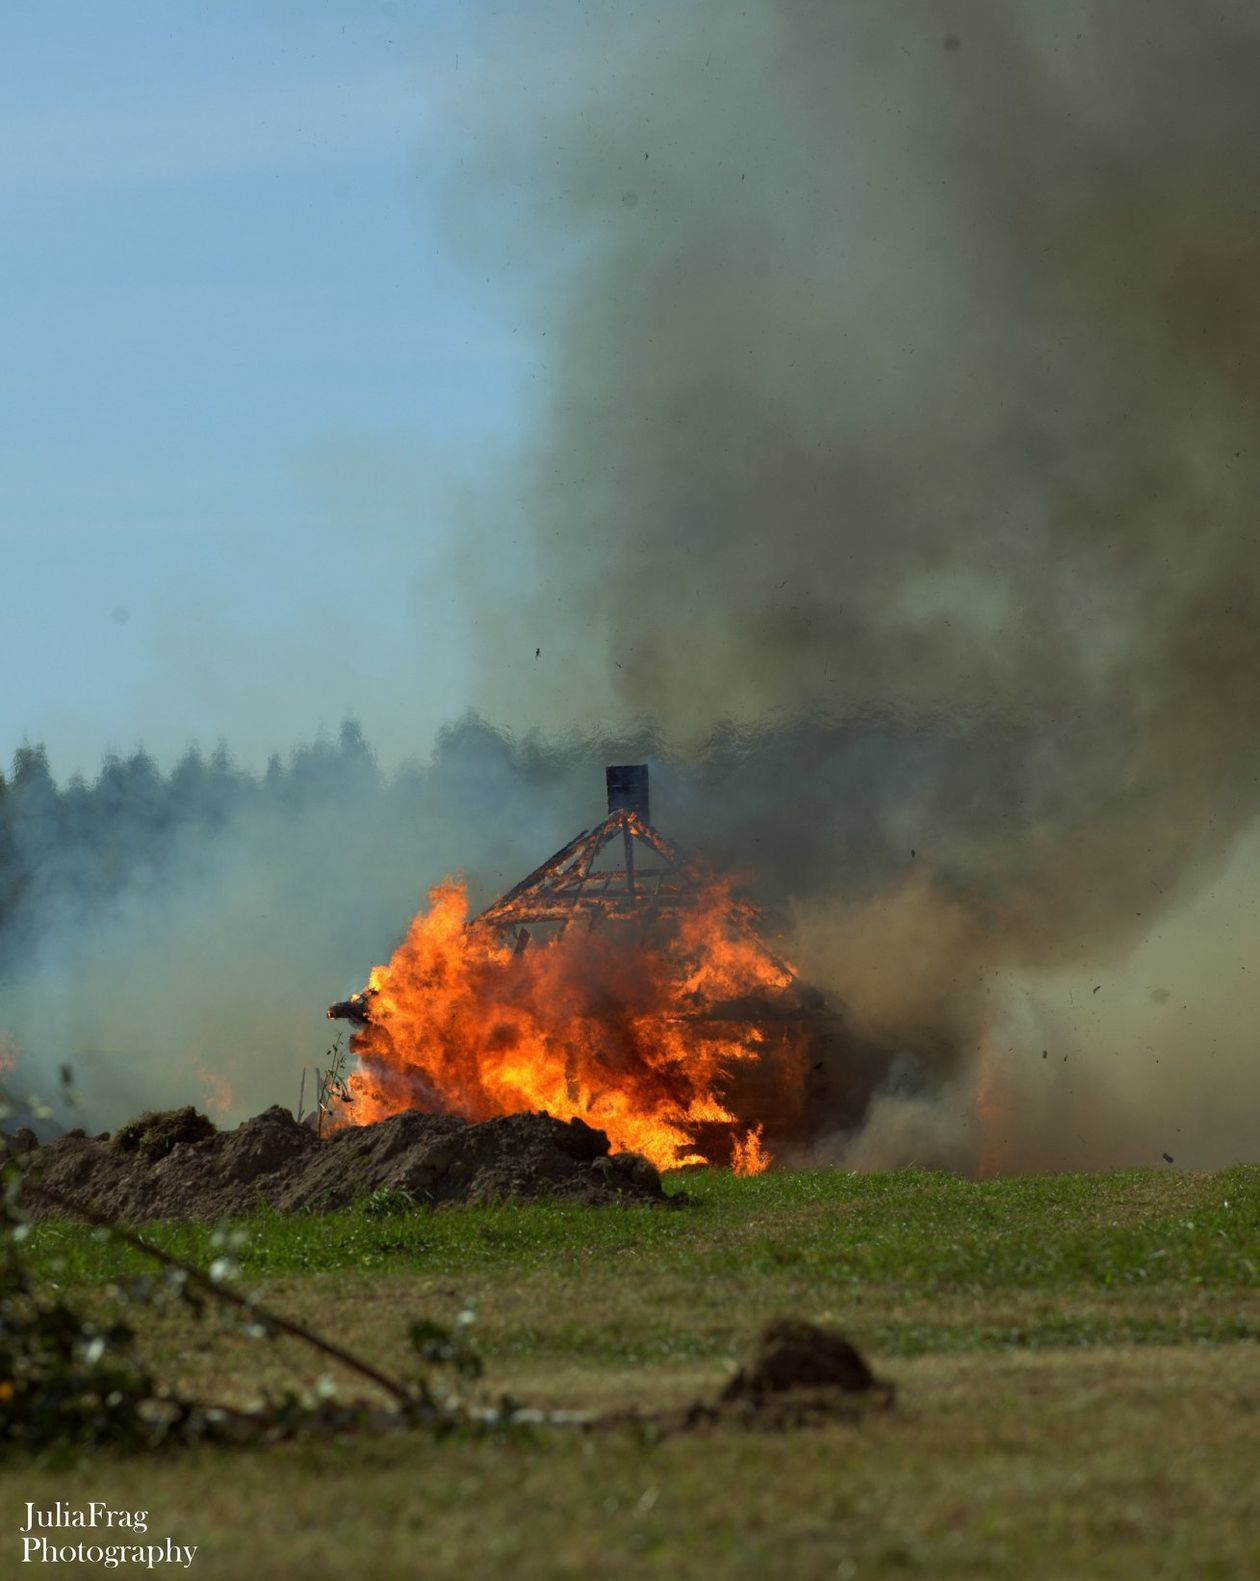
pixel 272 1160
pixel 793 1354
pixel 800 1373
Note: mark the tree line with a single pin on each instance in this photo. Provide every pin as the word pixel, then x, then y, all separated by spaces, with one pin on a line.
pixel 69 851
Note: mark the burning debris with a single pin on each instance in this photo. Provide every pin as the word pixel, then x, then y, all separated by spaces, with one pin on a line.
pixel 619 984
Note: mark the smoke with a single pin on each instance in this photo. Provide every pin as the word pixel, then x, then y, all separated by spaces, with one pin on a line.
pixel 902 371
pixel 908 1131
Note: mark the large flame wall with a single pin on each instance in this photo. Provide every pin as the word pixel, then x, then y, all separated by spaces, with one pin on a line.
pixel 637 1037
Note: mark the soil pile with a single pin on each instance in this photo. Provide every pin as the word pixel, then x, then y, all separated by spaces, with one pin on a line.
pixel 799 1373
pixel 793 1354
pixel 273 1160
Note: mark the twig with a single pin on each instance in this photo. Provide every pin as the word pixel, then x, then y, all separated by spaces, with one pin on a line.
pixel 405 1396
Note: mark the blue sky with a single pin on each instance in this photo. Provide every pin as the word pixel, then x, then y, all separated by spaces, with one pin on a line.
pixel 241 367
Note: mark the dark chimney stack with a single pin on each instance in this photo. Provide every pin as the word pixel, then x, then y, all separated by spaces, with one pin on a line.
pixel 628 787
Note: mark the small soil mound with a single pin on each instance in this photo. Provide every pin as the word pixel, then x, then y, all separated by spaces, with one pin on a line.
pixel 157 1131
pixel 272 1160
pixel 800 1373
pixel 793 1354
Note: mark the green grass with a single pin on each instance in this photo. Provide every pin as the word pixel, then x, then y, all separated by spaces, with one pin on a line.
pixel 921 1230
pixel 1076 1360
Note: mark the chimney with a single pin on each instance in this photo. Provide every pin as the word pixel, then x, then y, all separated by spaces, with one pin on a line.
pixel 628 787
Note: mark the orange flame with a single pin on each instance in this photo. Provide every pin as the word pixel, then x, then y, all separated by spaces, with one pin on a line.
pixel 217 1094
pixel 748 1156
pixel 665 1044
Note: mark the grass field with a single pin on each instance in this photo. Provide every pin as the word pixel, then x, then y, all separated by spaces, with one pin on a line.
pixel 1076 1360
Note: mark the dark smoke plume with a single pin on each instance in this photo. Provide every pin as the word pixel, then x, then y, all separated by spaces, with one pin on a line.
pixel 903 369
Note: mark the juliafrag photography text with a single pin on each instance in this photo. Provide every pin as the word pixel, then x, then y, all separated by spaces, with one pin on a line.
pixel 57 1536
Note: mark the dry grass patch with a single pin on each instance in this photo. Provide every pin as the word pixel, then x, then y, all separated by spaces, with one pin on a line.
pixel 1110 1463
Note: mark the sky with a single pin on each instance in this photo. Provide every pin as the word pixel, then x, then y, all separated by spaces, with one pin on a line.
pixel 243 372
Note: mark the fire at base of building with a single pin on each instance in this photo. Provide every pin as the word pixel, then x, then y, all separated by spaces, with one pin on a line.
pixel 618 983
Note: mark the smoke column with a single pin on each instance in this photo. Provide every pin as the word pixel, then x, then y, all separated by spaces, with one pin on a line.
pixel 902 373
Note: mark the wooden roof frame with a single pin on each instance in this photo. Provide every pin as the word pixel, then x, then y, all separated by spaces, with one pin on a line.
pixel 569 887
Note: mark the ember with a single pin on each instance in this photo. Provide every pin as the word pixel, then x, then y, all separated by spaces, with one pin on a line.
pixel 617 984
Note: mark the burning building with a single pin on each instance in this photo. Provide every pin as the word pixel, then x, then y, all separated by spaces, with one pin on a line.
pixel 621 983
